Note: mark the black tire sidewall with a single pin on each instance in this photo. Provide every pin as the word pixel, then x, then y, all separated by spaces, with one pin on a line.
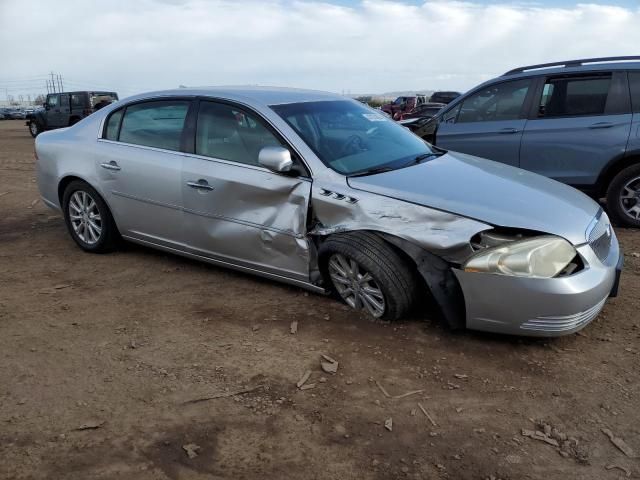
pixel 38 130
pixel 397 303
pixel 106 242
pixel 613 197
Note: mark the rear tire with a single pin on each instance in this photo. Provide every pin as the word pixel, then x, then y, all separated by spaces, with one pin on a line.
pixel 88 218
pixel 373 270
pixel 34 128
pixel 623 197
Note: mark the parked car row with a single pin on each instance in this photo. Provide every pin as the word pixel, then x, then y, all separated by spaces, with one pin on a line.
pixel 320 191
pixel 12 113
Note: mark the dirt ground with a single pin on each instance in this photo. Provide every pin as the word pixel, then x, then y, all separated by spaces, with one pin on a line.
pixel 101 355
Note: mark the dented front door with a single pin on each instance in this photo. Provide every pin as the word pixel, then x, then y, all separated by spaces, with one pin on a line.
pixel 246 215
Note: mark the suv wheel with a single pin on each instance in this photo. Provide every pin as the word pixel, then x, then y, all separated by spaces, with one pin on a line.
pixel 623 197
pixel 34 128
pixel 88 218
pixel 368 274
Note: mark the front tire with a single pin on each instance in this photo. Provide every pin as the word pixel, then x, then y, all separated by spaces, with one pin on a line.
pixel 368 274
pixel 623 197
pixel 88 218
pixel 34 128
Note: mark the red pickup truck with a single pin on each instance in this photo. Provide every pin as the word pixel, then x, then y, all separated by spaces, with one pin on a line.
pixel 403 105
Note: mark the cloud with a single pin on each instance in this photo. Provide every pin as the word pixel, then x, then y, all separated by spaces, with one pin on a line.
pixel 372 46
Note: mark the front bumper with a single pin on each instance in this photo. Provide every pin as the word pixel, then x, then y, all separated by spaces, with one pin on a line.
pixel 544 307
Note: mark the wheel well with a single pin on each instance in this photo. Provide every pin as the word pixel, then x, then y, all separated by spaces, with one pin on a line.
pixel 404 249
pixel 62 186
pixel 608 175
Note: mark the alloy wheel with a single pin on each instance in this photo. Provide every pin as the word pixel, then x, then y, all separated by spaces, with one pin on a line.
pixel 630 198
pixel 34 128
pixel 355 285
pixel 85 217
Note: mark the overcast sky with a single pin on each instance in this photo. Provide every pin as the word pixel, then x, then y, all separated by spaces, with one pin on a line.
pixel 352 46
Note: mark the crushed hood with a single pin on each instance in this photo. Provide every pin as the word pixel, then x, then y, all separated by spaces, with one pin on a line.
pixel 490 192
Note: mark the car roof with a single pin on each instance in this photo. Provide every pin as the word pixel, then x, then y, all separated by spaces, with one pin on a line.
pixel 261 95
pixel 572 67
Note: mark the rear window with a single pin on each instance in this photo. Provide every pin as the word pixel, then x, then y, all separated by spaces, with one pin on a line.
pixel 154 124
pixel 634 82
pixel 78 100
pixel 576 96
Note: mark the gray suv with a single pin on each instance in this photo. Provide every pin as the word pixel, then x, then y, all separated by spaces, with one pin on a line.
pixel 577 122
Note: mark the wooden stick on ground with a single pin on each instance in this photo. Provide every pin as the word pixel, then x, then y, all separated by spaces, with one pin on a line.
pixel 223 395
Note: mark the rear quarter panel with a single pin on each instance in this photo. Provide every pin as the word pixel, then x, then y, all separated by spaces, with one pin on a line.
pixel 66 152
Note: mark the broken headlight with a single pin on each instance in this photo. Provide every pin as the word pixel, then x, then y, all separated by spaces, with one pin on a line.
pixel 538 257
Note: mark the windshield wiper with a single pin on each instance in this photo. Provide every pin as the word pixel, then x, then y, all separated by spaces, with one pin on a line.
pixel 424 156
pixel 371 171
pixel 414 161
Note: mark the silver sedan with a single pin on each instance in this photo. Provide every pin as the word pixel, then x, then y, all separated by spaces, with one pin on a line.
pixel 322 192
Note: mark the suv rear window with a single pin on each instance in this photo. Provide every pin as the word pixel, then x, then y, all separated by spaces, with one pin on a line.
pixel 576 96
pixel 634 82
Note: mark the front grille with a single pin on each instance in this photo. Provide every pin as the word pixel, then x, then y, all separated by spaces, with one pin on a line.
pixel 600 236
pixel 564 323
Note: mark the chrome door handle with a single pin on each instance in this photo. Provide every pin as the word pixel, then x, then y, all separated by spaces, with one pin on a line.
pixel 601 125
pixel 110 166
pixel 200 185
pixel 509 130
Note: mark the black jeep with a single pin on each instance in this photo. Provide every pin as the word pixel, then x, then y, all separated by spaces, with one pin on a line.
pixel 65 109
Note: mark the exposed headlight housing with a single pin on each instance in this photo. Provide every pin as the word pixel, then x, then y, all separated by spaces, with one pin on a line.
pixel 538 257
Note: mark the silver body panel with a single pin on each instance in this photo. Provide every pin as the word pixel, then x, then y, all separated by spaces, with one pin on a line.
pixel 262 222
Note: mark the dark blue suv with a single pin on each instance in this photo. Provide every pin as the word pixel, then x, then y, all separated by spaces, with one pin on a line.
pixel 577 122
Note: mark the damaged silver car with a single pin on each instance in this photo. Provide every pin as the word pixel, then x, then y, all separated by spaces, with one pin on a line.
pixel 322 192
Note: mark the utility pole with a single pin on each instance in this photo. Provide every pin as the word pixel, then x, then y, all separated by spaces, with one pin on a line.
pixel 53 83
pixel 59 83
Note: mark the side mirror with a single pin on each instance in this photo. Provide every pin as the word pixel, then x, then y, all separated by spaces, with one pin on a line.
pixel 276 159
pixel 46 106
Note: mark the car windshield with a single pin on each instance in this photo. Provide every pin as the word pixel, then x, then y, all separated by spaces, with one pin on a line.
pixel 351 138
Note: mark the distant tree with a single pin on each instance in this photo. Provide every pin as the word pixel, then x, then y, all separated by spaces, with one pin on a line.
pixel 39 100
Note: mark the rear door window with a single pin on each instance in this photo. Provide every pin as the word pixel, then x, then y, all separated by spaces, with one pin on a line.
pixel 574 96
pixel 156 124
pixel 77 100
pixel 64 101
pixel 634 83
pixel 503 101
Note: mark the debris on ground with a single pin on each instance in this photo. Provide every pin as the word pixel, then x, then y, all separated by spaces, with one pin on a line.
pixel 395 397
pixel 626 471
pixel 426 414
pixel 92 425
pixel 308 386
pixel 538 435
pixel 635 254
pixel 619 443
pixel 223 395
pixel 388 424
pixel 329 365
pixel 567 447
pixel 191 450
pixel 303 379
pixel 294 327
